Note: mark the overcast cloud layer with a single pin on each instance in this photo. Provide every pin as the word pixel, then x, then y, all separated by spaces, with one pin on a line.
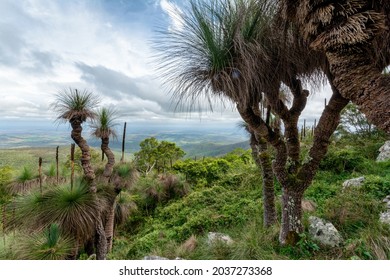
pixel 102 46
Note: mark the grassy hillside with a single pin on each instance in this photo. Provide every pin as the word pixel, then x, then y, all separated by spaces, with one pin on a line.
pixel 171 214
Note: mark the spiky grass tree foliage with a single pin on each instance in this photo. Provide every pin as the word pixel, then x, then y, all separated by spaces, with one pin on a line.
pixel 25 181
pixel 74 210
pixel 76 107
pixel 126 205
pixel 103 128
pixel 47 245
pixel 216 52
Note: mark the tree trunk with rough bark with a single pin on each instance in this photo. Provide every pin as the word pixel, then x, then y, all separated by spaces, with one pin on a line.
pixel 291 225
pixel 100 241
pixel 294 174
pixel 110 224
pixel 110 157
pixel 262 159
pixel 100 237
pixel 85 153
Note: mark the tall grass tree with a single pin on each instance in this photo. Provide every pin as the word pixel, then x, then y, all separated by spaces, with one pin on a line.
pixel 76 107
pixel 230 47
pixel 104 128
pixel 216 55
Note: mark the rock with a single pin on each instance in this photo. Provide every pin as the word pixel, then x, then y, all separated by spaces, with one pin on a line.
pixel 324 232
pixel 385 217
pixel 219 237
pixel 153 258
pixel 308 205
pixel 355 182
pixel 384 152
pixel 386 199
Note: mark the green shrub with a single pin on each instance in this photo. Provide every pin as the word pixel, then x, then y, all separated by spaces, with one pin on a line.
pixel 344 160
pixel 351 210
pixel 25 175
pixel 378 187
pixel 5 174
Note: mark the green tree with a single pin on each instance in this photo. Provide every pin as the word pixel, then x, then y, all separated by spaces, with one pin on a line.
pixel 146 158
pixel 103 128
pixel 155 154
pixel 168 153
pixel 227 47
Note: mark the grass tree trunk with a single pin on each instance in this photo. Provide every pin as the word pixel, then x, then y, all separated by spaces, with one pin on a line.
pixel 85 153
pixel 110 219
pixel 100 240
pixel 100 237
pixel 294 174
pixel 262 159
pixel 109 228
pixel 110 157
pixel 291 225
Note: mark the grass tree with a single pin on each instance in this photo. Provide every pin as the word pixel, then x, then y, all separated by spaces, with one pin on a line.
pixel 215 54
pixel 49 244
pixel 355 37
pixel 76 107
pixel 74 210
pixel 230 48
pixel 103 128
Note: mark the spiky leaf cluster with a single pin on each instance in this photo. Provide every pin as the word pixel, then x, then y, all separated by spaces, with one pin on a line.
pixel 75 104
pixel 104 123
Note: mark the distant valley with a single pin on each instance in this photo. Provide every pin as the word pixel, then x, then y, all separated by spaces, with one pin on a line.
pixel 196 142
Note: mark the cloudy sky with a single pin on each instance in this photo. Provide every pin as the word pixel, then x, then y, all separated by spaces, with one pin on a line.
pixel 100 45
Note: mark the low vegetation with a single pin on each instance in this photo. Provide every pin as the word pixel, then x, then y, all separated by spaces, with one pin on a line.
pixel 170 212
